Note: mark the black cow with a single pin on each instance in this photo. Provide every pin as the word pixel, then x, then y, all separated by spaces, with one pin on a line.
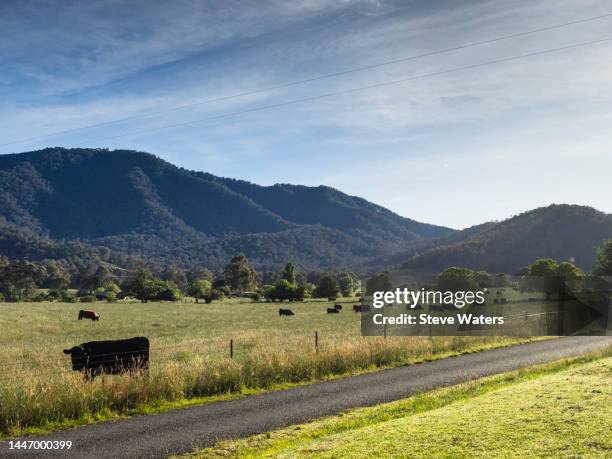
pixel 357 308
pixel 285 312
pixel 333 311
pixel 338 307
pixel 110 357
pixel 93 315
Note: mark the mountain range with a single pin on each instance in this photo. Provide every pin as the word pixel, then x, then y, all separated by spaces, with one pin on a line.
pixel 123 205
pixel 139 205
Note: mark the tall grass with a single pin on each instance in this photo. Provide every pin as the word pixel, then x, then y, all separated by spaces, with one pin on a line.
pixel 36 396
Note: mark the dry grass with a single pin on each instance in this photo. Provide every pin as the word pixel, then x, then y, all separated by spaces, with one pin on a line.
pixel 190 355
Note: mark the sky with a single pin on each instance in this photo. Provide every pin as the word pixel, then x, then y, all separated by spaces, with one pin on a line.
pixel 218 86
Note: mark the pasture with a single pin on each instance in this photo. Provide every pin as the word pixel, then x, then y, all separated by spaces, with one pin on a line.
pixel 190 354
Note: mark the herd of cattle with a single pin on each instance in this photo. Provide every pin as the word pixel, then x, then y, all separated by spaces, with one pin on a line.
pixel 126 355
pixel 335 310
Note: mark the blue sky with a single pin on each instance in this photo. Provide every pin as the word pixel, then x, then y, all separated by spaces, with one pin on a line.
pixel 455 149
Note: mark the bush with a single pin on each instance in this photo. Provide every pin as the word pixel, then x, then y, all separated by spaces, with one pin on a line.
pixel 256 297
pixel 39 297
pixel 88 299
pixel 111 296
pixel 215 294
pixel 67 297
pixel 55 294
pixel 284 290
pixel 169 292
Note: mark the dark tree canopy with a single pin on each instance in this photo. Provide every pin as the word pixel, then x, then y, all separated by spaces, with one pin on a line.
pixel 327 287
pixel 379 283
pixel 457 279
pixel 239 274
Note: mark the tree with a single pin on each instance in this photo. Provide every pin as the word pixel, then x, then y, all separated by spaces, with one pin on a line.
pixel 327 287
pixel 457 279
pixel 568 271
pixel 19 279
pixel 483 279
pixel 111 292
pixel 144 287
pixel 380 282
pixel 198 273
pixel 239 275
pixel 603 266
pixel 349 283
pixel 173 274
pixel 283 290
pixel 199 289
pixel 166 291
pixel 545 267
pixel 57 277
pixel 95 278
pixel 551 278
pixel 500 280
pixel 289 273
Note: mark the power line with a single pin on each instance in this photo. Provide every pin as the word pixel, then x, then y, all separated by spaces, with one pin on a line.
pixel 310 80
pixel 358 89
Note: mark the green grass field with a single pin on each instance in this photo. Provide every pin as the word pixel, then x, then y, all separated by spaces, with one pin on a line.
pixel 189 355
pixel 562 409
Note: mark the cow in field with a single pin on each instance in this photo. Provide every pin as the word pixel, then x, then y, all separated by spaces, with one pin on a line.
pixel 93 315
pixel 333 311
pixel 285 312
pixel 356 308
pixel 338 307
pixel 110 357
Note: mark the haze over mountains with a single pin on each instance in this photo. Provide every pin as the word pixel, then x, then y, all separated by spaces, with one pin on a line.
pixel 57 202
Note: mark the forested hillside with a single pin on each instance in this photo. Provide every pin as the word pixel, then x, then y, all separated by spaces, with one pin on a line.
pixel 136 204
pixel 563 232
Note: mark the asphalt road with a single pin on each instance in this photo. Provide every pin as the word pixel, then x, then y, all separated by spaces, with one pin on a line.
pixel 181 431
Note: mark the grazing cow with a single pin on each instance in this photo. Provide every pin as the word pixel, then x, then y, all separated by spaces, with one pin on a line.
pixel 338 307
pixel 110 357
pixel 285 312
pixel 93 315
pixel 333 311
pixel 356 308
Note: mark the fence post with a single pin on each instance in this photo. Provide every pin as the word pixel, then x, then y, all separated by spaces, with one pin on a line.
pixel 231 348
pixel 316 341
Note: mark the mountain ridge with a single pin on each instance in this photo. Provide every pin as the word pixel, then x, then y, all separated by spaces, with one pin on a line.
pixel 137 203
pixel 564 232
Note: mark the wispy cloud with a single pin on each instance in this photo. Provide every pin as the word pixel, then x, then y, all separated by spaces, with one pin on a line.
pixel 81 63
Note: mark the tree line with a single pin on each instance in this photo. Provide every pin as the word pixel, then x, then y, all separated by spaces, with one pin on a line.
pixel 23 280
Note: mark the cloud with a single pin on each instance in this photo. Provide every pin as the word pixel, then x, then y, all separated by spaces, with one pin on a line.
pixel 80 63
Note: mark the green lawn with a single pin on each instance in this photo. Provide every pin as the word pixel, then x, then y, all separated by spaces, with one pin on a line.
pixel 558 410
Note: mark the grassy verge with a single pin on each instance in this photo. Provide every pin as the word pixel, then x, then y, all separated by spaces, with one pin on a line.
pixel 563 409
pixel 36 404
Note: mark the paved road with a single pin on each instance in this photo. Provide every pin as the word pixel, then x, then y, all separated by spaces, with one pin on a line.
pixel 184 430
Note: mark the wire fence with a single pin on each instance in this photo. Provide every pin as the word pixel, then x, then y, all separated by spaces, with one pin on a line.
pixel 226 348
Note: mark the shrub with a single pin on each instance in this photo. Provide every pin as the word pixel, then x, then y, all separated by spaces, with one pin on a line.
pixel 169 292
pixel 256 297
pixel 88 299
